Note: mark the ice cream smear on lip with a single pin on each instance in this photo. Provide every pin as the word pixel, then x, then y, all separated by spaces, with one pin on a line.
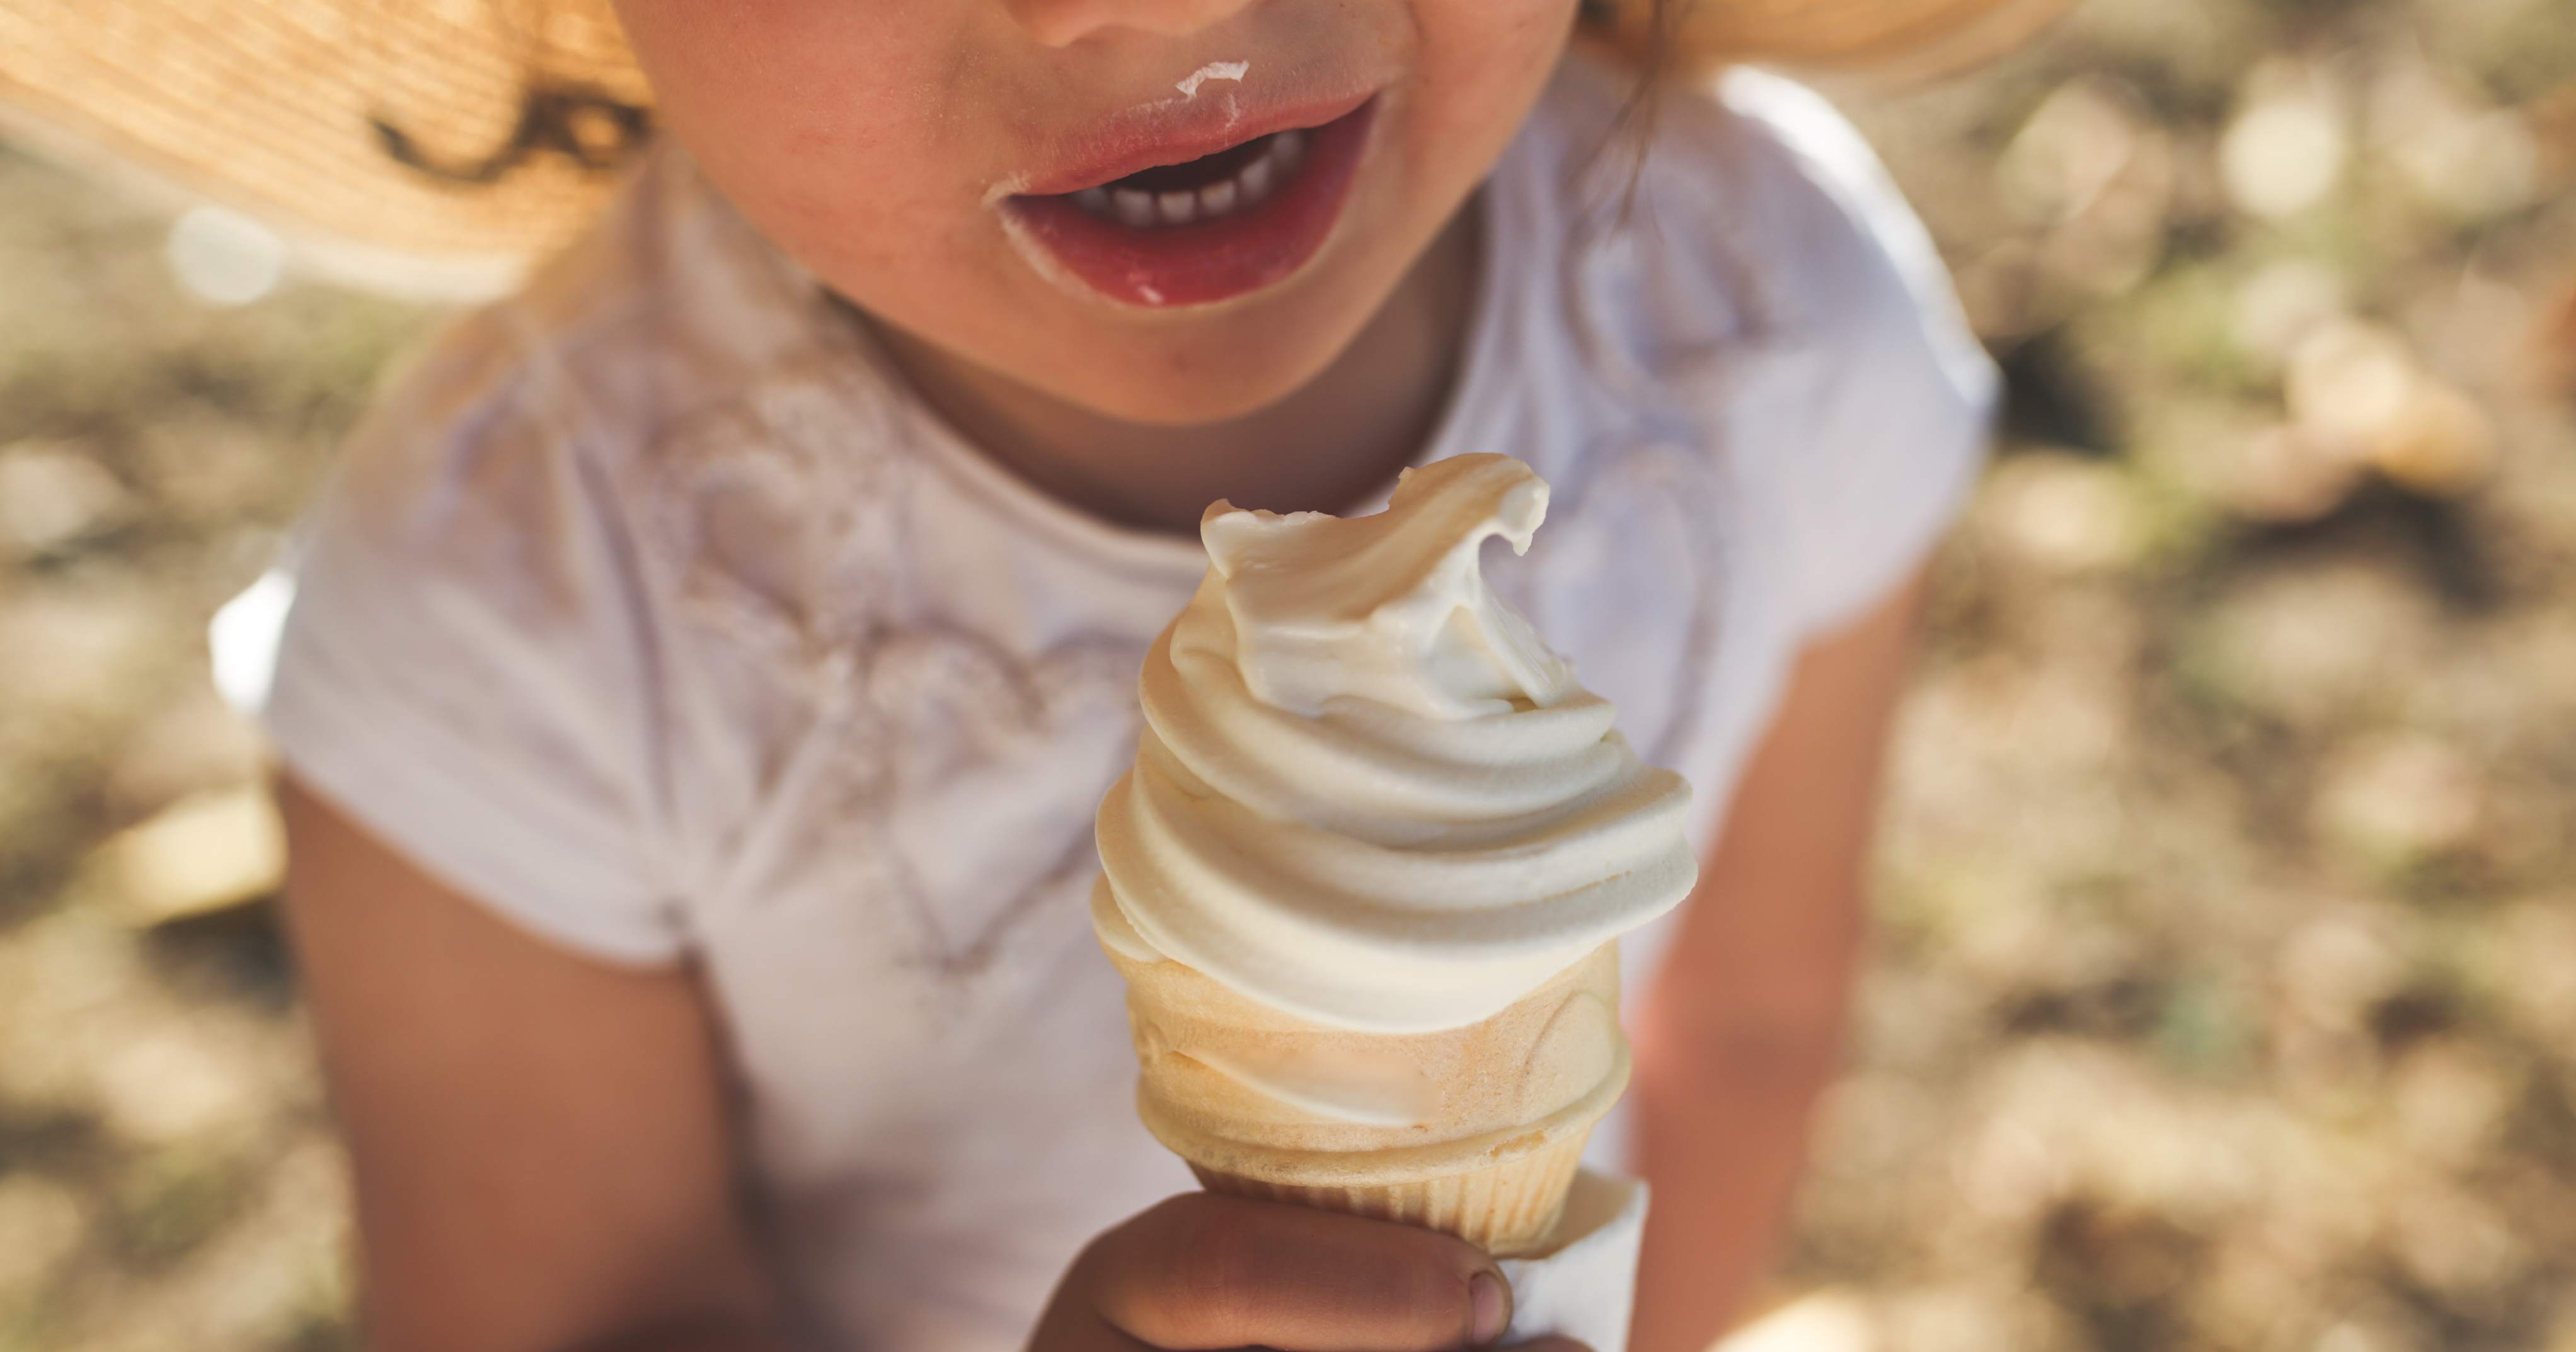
pixel 1368 795
pixel 1214 70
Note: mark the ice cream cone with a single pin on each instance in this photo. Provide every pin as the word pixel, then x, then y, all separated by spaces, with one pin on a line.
pixel 1475 1130
pixel 1366 878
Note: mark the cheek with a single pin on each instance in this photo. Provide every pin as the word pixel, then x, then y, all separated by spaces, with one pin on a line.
pixel 822 120
pixel 1522 32
pixel 1482 64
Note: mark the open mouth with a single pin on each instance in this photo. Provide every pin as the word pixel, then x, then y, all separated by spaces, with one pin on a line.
pixel 1207 229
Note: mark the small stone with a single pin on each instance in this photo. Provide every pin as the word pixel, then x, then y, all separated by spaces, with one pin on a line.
pixel 2350 384
pixel 53 495
pixel 1944 1319
pixel 1830 1320
pixel 203 854
pixel 2357 390
pixel 2398 799
pixel 166 1085
pixel 2286 151
pixel 2443 443
pixel 2354 1335
pixel 2066 514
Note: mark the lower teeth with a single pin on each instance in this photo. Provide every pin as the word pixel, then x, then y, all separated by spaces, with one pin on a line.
pixel 1254 182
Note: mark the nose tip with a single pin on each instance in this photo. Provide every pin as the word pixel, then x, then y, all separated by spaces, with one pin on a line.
pixel 1062 23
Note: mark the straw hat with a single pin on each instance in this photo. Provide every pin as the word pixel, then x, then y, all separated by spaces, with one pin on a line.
pixel 438 145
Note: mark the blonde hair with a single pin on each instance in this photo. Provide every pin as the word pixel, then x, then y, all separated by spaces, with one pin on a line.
pixel 1650 38
pixel 1690 39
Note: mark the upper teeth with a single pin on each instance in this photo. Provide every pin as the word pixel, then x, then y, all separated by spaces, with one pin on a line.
pixel 1256 180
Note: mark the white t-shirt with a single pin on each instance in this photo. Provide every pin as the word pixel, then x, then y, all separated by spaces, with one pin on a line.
pixel 654 613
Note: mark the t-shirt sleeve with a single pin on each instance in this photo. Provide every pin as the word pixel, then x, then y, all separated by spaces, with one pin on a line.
pixel 1908 396
pixel 466 672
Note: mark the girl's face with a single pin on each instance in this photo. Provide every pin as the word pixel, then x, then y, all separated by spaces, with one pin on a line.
pixel 1168 211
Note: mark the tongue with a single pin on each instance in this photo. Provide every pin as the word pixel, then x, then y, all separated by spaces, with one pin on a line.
pixel 1197 173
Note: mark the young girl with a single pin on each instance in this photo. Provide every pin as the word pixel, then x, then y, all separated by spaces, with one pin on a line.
pixel 708 661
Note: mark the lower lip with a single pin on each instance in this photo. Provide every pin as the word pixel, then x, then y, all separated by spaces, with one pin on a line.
pixel 1208 261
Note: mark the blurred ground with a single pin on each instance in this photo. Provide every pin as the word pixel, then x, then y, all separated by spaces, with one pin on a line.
pixel 2225 988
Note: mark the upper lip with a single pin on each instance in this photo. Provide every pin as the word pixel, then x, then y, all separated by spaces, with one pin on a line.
pixel 1175 131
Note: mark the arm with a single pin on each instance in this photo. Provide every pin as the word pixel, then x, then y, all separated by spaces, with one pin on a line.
pixel 540 1143
pixel 543 1163
pixel 1741 1030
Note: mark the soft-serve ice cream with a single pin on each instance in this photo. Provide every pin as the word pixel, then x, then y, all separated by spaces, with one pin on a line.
pixel 1366 877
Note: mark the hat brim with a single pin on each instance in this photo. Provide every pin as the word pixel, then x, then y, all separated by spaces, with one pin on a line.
pixel 434 145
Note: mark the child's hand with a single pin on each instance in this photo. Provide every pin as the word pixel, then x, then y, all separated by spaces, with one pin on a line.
pixel 1203 1270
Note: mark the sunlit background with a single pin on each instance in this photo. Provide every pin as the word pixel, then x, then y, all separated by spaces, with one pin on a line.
pixel 2224 991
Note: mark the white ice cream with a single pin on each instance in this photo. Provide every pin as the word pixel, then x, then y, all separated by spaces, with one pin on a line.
pixel 1367 793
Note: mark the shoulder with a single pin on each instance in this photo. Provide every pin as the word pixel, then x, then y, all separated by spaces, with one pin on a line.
pixel 530 432
pixel 501 519
pixel 1831 212
pixel 1756 184
pixel 1770 276
pixel 475 663
pixel 1755 211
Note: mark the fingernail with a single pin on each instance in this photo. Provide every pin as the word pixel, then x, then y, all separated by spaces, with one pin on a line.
pixel 1492 1301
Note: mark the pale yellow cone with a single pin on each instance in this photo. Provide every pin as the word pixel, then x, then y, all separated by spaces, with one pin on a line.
pixel 1494 1115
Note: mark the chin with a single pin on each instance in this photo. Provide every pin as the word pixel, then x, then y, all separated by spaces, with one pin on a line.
pixel 1201 399
pixel 1192 378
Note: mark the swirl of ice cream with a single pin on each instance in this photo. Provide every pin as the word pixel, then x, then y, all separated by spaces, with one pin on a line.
pixel 1367 794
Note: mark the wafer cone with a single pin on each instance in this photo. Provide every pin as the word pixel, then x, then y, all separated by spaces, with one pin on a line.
pixel 1476 1131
